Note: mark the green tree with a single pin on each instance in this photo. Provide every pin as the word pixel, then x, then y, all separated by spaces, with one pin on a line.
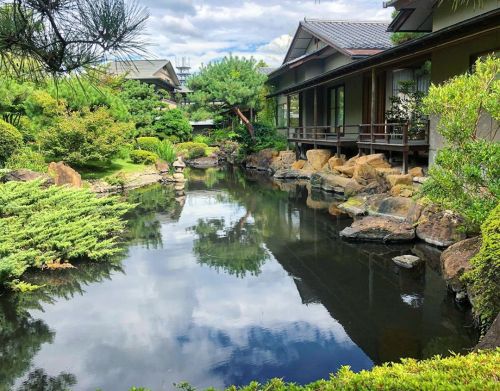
pixel 231 84
pixel 466 173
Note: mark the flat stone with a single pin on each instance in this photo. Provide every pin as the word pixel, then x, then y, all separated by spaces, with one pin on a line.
pixel 298 165
pixel 354 206
pixel 374 160
pixel 406 261
pixel 346 170
pixel 204 162
pixel 379 229
pixel 398 208
pixel 420 180
pixel 335 183
pixel 364 173
pixel 24 175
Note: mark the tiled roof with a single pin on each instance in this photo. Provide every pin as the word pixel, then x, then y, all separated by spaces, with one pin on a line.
pixel 142 69
pixel 350 34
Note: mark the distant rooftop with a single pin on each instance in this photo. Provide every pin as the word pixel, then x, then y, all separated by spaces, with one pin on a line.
pixel 144 70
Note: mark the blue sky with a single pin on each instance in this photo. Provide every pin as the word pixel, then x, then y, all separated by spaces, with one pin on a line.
pixel 204 30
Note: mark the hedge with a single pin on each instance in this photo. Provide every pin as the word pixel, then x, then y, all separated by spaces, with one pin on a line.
pixel 143 157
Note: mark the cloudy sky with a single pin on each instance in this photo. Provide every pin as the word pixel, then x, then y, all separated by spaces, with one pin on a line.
pixel 204 30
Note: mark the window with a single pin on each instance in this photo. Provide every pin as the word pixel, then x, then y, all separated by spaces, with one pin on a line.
pixel 336 112
pixel 281 116
pixel 294 107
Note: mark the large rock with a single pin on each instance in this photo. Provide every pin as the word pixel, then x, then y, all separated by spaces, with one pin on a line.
pixel 455 261
pixel 298 165
pixel 403 191
pixel 399 179
pixel 440 228
pixel 288 158
pixel 162 166
pixel 398 208
pixel 335 183
pixel 204 162
pixel 379 229
pixel 64 175
pixel 364 174
pixel 416 172
pixel 24 175
pixel 335 162
pixel 491 339
pixel 292 174
pixel 376 160
pixel 384 171
pixel 261 160
pixel 317 158
pixel 346 170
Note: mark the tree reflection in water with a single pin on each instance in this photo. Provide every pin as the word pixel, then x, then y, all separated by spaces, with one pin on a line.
pixel 21 335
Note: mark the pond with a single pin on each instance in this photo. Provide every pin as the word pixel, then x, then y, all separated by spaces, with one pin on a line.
pixel 239 279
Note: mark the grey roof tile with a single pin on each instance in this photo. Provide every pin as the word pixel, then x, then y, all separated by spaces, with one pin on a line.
pixel 351 34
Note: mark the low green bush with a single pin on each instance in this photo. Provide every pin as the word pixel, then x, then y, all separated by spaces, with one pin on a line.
pixel 41 225
pixel 201 138
pixel 474 371
pixel 27 158
pixel 265 137
pixel 196 152
pixel 10 140
pixel 148 143
pixel 172 122
pixel 143 157
pixel 484 277
pixel 185 149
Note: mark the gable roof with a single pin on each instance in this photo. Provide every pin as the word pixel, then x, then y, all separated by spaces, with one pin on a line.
pixel 348 37
pixel 144 69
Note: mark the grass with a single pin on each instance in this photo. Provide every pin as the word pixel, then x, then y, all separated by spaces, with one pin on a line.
pixel 98 170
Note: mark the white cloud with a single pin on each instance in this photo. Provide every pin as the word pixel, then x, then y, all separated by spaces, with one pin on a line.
pixel 205 30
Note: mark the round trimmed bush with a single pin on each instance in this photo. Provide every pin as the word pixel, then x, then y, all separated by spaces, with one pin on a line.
pixel 143 157
pixel 148 143
pixel 196 152
pixel 27 158
pixel 10 140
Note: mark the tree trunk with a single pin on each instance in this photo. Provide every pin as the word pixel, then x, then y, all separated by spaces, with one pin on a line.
pixel 245 120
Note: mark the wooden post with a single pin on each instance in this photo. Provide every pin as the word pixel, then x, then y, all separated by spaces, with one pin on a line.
pixel 288 114
pixel 405 148
pixel 315 118
pixel 338 140
pixel 373 108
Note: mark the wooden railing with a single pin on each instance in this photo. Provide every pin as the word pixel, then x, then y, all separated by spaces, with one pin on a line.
pixel 394 134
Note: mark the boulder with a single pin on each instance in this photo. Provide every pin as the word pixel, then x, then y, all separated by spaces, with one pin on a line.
pixel 377 160
pixel 379 229
pixel 455 261
pixel 419 179
pixel 316 204
pixel 288 158
pixel 261 160
pixel 364 173
pixel 298 165
pixel 162 166
pixel 416 172
pixel 491 339
pixel 354 206
pixel 64 175
pixel 397 208
pixel 352 161
pixel 406 261
pixel 335 162
pixel 399 179
pixel 402 191
pixel 440 228
pixel 24 175
pixel 346 170
pixel 384 171
pixel 334 209
pixel 318 157
pixel 335 183
pixel 292 174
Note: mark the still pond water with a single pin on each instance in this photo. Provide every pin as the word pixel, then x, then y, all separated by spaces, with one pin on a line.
pixel 239 280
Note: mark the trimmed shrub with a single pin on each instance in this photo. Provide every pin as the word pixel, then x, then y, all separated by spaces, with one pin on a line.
pixel 185 149
pixel 27 158
pixel 201 138
pixel 196 152
pixel 148 143
pixel 484 278
pixel 143 157
pixel 10 140
pixel 265 137
pixel 41 225
pixel 172 122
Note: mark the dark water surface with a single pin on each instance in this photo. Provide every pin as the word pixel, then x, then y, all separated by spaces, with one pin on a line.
pixel 238 281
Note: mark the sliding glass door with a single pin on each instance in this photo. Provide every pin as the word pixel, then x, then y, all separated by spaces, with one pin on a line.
pixel 336 107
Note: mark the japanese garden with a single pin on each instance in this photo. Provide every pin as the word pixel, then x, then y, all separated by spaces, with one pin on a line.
pixel 326 218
